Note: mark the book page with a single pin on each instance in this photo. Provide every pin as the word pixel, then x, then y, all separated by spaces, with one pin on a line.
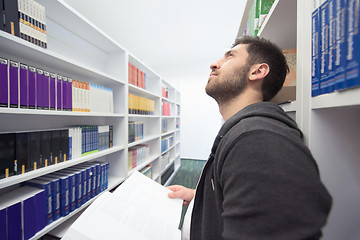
pixel 138 209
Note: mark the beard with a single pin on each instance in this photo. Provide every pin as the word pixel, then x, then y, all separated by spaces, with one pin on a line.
pixel 228 85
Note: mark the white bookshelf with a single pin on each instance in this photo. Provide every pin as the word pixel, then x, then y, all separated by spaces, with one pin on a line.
pixel 330 122
pixel 79 50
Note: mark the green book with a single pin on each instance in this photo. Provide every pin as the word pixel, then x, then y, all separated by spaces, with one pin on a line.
pixel 251 19
pixel 264 7
pixel 257 17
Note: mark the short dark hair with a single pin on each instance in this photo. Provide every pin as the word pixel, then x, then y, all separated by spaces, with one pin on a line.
pixel 261 50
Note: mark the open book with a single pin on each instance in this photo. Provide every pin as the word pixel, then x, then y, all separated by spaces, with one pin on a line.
pixel 138 209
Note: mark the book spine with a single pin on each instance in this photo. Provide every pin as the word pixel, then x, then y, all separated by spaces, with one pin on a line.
pixel 39 88
pixel 4 83
pixel 353 48
pixel 23 84
pixel 46 90
pixel 14 84
pixel 52 91
pixel 324 59
pixel 330 83
pixel 340 59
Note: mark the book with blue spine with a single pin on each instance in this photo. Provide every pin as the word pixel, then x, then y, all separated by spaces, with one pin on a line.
pixel 78 185
pixel 353 48
pixel 330 83
pixel 48 188
pixel 55 188
pixel 324 55
pixel 341 43
pixel 72 187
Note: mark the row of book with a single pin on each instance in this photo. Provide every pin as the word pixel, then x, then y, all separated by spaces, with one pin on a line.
pixel 135 131
pixel 164 160
pixel 138 155
pixel 164 125
pixel 257 15
pixel 147 171
pixel 25 19
pixel 137 77
pixel 335 45
pixel 22 152
pixel 166 143
pixel 40 201
pixel 88 97
pixel 24 86
pixel 141 105
pixel 165 92
pixel 166 109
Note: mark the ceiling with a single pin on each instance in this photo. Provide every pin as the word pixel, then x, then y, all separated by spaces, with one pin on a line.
pixel 176 39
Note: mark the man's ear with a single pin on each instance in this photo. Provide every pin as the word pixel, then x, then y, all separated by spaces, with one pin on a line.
pixel 259 71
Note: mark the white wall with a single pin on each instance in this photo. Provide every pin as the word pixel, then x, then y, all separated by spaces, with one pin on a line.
pixel 200 120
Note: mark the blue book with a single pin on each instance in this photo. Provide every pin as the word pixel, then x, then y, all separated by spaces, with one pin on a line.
pixel 341 44
pixel 12 209
pixel 3 230
pixel 78 185
pixel 96 174
pixel 47 186
pixel 84 176
pixel 330 83
pixel 72 188
pixel 353 39
pixel 324 54
pixel 56 206
pixel 4 83
pixel 29 203
pixel 64 193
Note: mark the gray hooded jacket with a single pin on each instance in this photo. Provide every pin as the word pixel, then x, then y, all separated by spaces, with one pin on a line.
pixel 260 181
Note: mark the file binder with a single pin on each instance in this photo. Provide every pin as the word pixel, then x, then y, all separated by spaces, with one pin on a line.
pixel 14 84
pixel 4 83
pixel 23 84
pixel 32 88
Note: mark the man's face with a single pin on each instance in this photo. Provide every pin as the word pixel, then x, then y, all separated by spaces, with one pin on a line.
pixel 229 75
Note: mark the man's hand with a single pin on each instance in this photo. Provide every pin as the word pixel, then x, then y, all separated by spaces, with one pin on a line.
pixel 182 192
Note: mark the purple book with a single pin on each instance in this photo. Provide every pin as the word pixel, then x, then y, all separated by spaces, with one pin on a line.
pixel 4 84
pixel 52 91
pixel 39 88
pixel 46 90
pixel 14 84
pixel 65 94
pixel 24 98
pixel 70 94
pixel 59 93
pixel 3 223
pixel 32 87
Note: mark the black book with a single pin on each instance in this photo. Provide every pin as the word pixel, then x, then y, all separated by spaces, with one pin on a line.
pixel 55 145
pixel 11 17
pixel 22 152
pixel 45 149
pixel 7 155
pixel 34 150
pixel 64 145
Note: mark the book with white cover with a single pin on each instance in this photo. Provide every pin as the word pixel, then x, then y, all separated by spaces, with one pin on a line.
pixel 138 209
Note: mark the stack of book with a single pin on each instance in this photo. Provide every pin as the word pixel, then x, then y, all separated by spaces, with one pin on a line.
pixel 257 15
pixel 24 86
pixel 335 49
pixel 138 155
pixel 140 105
pixel 135 131
pixel 166 109
pixel 166 143
pixel 22 152
pixel 25 19
pixel 137 77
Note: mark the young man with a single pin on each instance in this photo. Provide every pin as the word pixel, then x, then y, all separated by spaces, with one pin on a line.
pixel 260 181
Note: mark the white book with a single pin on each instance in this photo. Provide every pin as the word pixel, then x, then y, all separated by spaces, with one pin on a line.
pixel 138 209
